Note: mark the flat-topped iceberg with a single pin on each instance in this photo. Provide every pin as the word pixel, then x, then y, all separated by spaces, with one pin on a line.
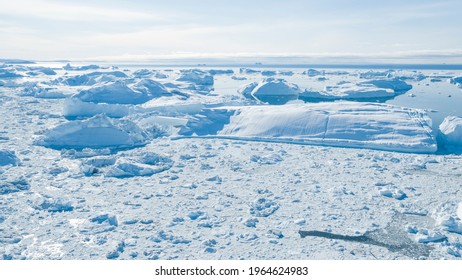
pixel 349 91
pixel 271 90
pixel 341 124
pixel 393 84
pixel 450 136
pixel 96 132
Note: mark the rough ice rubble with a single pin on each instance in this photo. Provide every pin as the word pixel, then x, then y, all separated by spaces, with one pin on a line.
pixel 271 90
pixel 96 132
pixel 345 124
pixel 450 135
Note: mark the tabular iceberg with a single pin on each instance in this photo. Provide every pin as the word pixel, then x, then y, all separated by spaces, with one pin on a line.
pixel 343 124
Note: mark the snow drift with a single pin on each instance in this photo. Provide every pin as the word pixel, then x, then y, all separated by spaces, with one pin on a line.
pixel 343 124
pixel 97 132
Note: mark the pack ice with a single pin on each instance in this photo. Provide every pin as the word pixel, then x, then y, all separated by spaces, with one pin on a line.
pixel 343 124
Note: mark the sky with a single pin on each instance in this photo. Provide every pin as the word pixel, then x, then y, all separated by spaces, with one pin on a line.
pixel 328 31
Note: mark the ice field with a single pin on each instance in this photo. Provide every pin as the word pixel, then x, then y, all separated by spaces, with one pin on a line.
pixel 150 162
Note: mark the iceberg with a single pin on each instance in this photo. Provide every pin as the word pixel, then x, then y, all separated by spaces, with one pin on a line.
pixel 312 72
pixel 248 71
pixel 68 67
pixel 74 108
pixel 118 93
pixel 393 84
pixel 96 132
pixel 376 74
pixel 221 72
pixel 341 124
pixel 271 90
pixel 91 79
pixel 450 135
pixel 348 91
pixel 196 76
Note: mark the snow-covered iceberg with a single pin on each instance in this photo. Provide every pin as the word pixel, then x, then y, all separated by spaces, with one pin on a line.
pixel 97 132
pixel 450 136
pixel 393 84
pixel 115 93
pixel 349 91
pixel 271 90
pixel 91 79
pixel 196 76
pixel 342 124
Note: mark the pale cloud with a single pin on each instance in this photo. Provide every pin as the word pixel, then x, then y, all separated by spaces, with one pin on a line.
pixel 71 11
